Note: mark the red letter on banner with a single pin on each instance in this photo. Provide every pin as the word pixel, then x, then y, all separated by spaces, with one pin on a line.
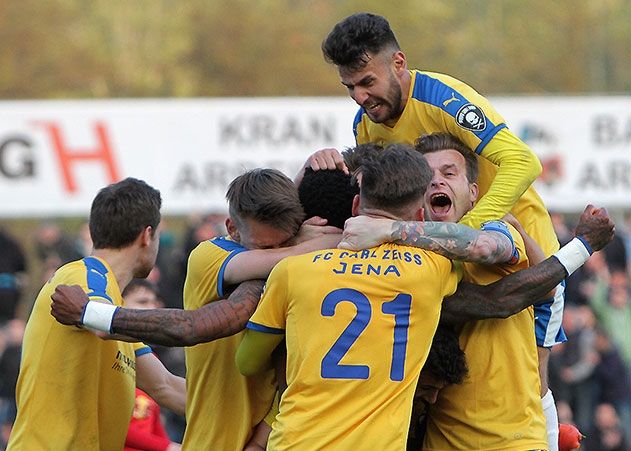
pixel 66 156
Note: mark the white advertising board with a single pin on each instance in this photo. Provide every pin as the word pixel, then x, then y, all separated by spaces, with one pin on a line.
pixel 55 155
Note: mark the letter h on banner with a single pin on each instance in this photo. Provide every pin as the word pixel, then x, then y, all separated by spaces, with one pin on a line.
pixel 66 156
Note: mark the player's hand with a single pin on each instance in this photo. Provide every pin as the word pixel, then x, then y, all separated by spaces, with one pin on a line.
pixel 326 159
pixel 596 227
pixel 174 447
pixel 364 232
pixel 315 227
pixel 322 159
pixel 68 304
pixel 569 437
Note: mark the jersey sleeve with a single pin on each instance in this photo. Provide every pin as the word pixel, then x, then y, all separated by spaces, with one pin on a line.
pixel 518 255
pixel 271 314
pixel 518 167
pixel 470 116
pixel 206 265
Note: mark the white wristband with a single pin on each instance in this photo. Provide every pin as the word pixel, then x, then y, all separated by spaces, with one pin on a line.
pixel 98 316
pixel 573 255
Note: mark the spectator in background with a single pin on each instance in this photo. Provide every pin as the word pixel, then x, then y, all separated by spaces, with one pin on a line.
pixel 581 285
pixel 612 378
pixel 13 332
pixel 606 434
pixel 563 232
pixel 83 241
pixel 610 301
pixel 54 249
pixel 146 432
pixel 573 364
pixel 12 275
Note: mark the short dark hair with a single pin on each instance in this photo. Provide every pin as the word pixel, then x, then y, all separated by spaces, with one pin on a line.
pixel 268 196
pixel 137 284
pixel 446 361
pixel 328 194
pixel 436 142
pixel 353 40
pixel 121 211
pixel 392 178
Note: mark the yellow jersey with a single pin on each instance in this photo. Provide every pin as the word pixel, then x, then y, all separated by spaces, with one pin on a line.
pixel 358 327
pixel 498 405
pixel 75 390
pixel 222 405
pixel 440 103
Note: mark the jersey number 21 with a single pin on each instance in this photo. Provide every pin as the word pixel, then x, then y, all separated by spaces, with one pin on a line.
pixel 399 307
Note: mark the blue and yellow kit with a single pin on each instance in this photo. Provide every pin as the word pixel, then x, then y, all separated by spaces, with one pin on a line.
pixel 222 405
pixel 75 390
pixel 358 328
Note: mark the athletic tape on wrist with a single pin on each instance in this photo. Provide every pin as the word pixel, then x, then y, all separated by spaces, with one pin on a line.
pixel 573 255
pixel 98 315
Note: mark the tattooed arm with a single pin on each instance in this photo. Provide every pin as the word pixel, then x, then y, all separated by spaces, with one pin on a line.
pixel 454 241
pixel 521 289
pixel 168 327
pixel 505 297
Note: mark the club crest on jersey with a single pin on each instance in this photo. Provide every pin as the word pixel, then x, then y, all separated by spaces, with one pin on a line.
pixel 471 117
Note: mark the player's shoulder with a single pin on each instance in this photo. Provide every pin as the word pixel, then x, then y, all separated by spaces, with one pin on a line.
pixel 215 248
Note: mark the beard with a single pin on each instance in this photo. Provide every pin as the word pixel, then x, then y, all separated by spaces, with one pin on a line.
pixel 391 103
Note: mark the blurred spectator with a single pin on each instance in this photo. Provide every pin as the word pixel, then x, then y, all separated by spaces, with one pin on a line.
pixel 581 285
pixel 616 254
pixel 610 301
pixel 613 380
pixel 564 412
pixel 146 431
pixel 12 275
pixel 573 364
pixel 83 242
pixel 606 434
pixel 563 232
pixel 13 332
pixel 54 248
pixel 167 273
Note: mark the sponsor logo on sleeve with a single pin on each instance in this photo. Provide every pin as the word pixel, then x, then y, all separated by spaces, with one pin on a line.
pixel 471 117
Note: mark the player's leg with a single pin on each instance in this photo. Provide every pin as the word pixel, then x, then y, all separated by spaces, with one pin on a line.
pixel 548 331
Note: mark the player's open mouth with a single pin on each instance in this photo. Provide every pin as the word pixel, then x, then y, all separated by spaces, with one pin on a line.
pixel 372 107
pixel 440 203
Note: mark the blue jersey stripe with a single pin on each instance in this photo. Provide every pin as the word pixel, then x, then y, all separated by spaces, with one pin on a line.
pixel 227 245
pixel 230 246
pixel 357 120
pixel 430 90
pixel 500 226
pixel 143 351
pixel 96 273
pixel 261 328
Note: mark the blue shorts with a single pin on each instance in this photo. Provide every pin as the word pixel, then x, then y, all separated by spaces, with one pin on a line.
pixel 548 319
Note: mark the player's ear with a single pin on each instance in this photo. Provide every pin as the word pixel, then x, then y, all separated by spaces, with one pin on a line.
pixel 399 61
pixel 473 191
pixel 231 227
pixel 146 235
pixel 355 208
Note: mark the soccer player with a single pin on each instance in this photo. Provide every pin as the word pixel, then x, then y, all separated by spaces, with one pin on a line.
pixel 76 390
pixel 264 214
pixel 480 413
pixel 380 305
pixel 399 105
